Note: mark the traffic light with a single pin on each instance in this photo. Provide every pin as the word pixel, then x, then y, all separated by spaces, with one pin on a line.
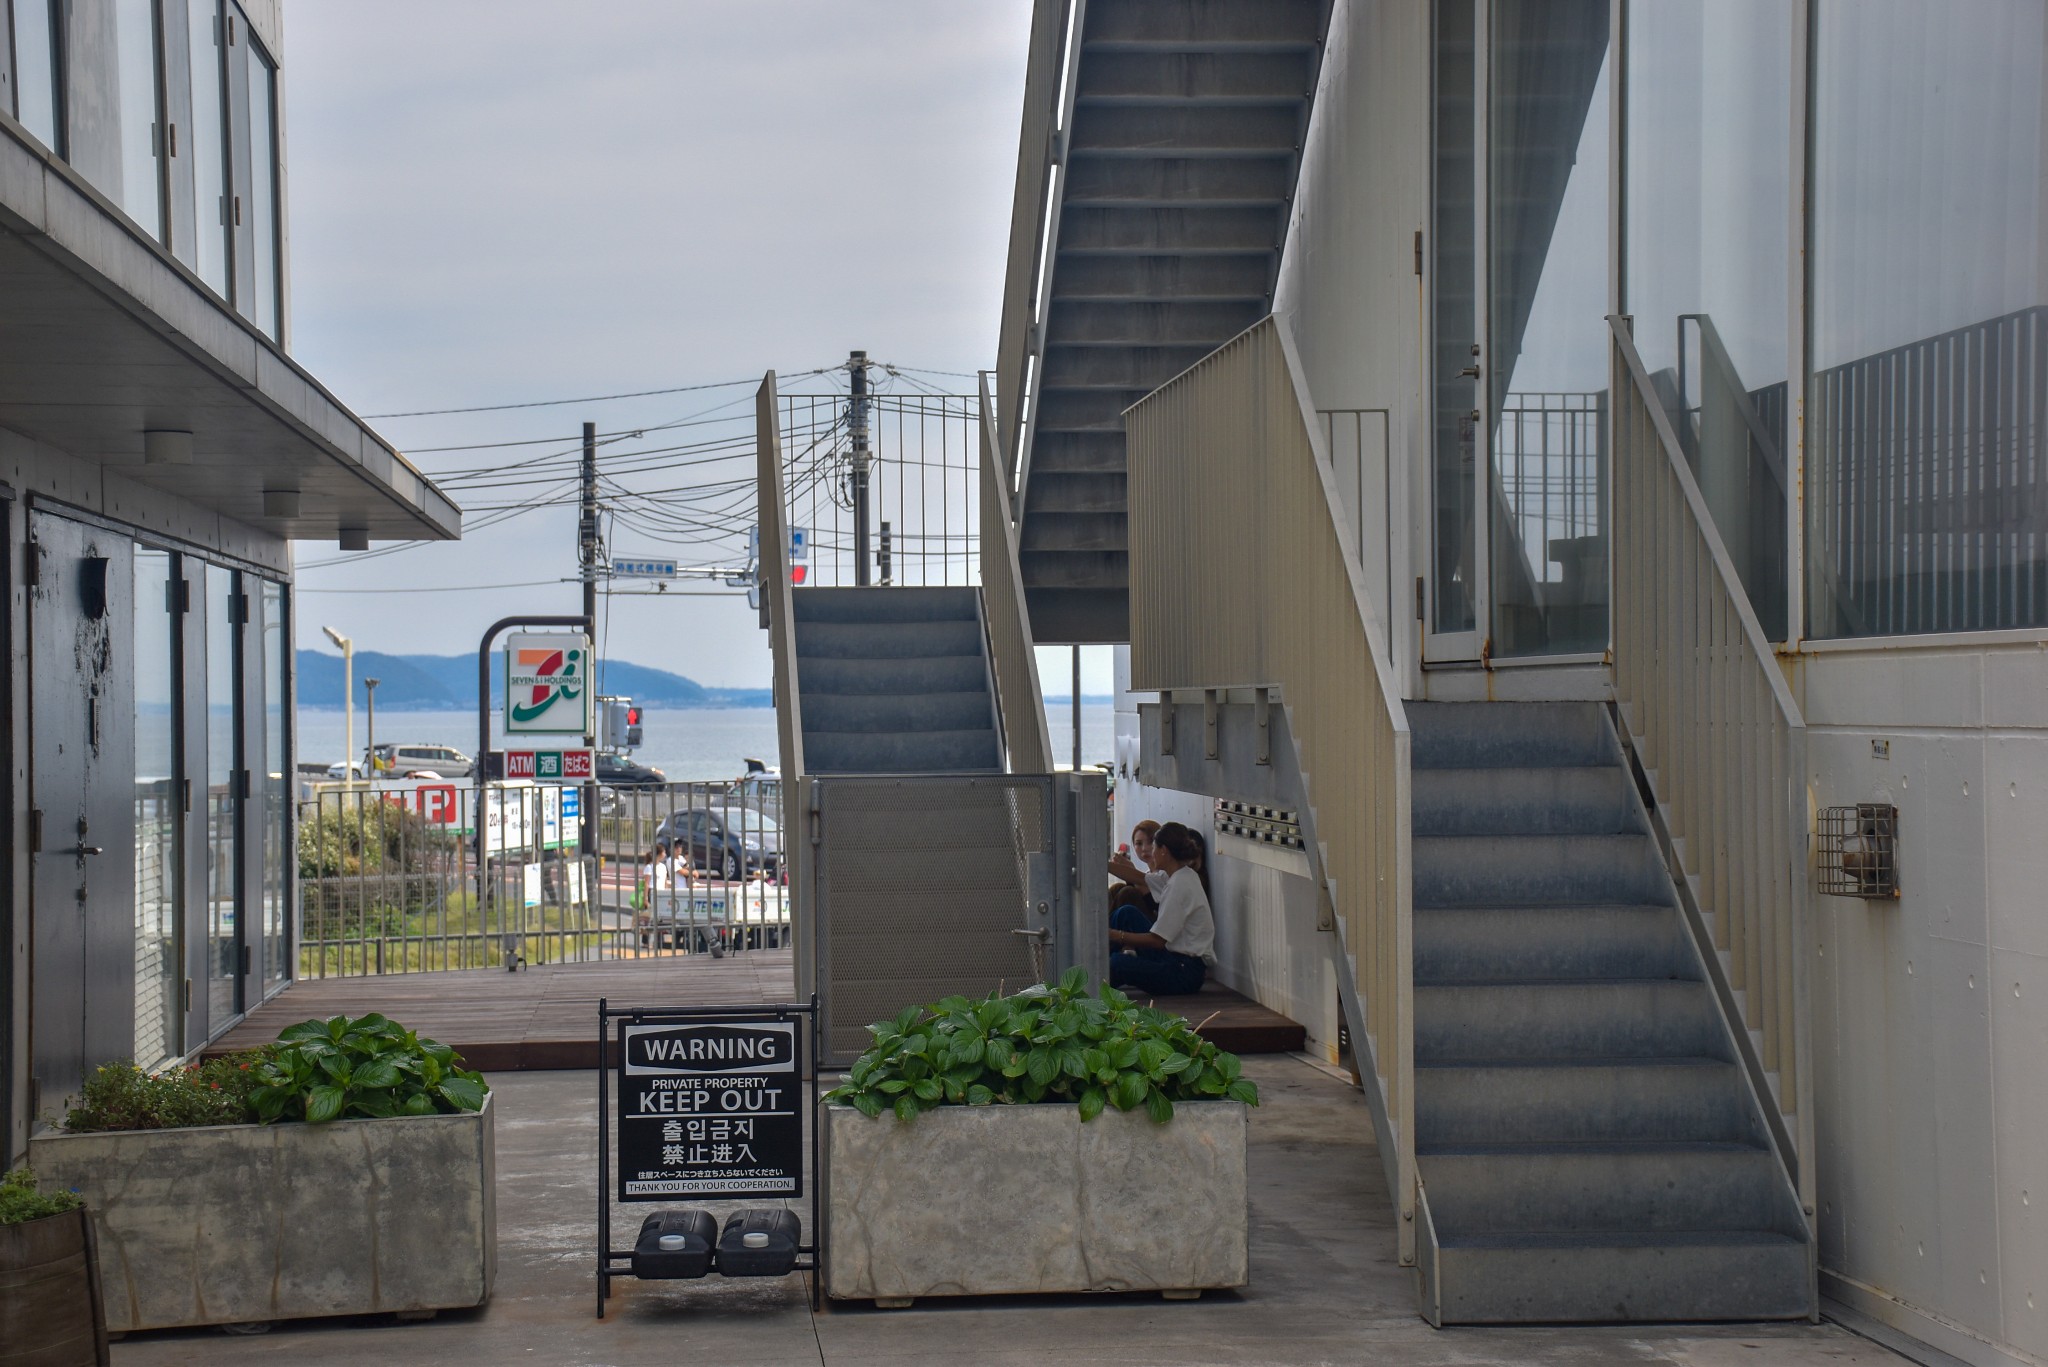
pixel 632 726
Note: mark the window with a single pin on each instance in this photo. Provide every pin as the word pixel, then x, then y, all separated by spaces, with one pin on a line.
pixel 264 303
pixel 1927 496
pixel 38 60
pixel 223 805
pixel 208 139
pixel 1708 186
pixel 274 786
pixel 138 183
pixel 159 970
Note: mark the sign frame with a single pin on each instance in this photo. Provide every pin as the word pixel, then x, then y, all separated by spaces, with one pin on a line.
pixel 798 1019
pixel 535 661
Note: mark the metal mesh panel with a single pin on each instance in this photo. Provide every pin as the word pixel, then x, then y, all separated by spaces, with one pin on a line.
pixel 921 886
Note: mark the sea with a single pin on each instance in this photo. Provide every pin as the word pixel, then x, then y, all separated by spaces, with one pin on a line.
pixel 686 744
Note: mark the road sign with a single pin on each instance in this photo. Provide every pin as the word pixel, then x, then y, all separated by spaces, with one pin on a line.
pixel 711 1109
pixel 552 766
pixel 547 681
pixel 645 569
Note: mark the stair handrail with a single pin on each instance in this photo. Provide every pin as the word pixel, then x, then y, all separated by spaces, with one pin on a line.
pixel 1245 572
pixel 773 573
pixel 1721 742
pixel 1020 705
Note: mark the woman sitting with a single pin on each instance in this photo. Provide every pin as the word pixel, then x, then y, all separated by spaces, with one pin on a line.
pixel 1134 872
pixel 1172 958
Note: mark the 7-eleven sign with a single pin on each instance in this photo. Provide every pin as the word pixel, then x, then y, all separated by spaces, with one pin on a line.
pixel 547 684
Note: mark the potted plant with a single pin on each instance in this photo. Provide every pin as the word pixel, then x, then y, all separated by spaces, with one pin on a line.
pixel 1048 1141
pixel 347 1169
pixel 49 1278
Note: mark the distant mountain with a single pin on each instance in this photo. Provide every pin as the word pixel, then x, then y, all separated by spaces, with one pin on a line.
pixel 436 682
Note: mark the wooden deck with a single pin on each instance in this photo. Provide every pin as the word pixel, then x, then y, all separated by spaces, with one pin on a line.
pixel 546 1017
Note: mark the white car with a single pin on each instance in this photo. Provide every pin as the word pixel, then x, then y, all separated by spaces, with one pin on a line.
pixel 341 768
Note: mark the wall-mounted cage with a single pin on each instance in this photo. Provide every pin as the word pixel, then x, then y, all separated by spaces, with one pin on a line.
pixel 1859 850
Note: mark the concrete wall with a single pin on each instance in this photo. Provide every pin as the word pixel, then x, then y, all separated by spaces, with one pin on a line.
pixel 1931 1012
pixel 1349 289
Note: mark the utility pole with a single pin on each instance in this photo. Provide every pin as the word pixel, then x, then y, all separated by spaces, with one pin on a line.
pixel 857 424
pixel 586 554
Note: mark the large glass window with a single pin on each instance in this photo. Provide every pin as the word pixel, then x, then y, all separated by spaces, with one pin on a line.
pixel 1455 473
pixel 138 128
pixel 1927 496
pixel 223 806
pixel 208 141
pixel 159 974
pixel 275 782
pixel 1547 271
pixel 261 204
pixel 1708 191
pixel 37 60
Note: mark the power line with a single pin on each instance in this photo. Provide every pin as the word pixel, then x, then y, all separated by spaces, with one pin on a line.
pixel 556 403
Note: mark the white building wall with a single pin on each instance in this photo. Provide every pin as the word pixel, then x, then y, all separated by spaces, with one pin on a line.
pixel 1931 1012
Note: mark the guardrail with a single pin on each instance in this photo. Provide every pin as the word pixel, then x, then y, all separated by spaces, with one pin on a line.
pixel 1245 571
pixel 388 877
pixel 1018 697
pixel 1722 745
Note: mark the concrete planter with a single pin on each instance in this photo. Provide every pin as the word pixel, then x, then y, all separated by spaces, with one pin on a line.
pixel 975 1200
pixel 229 1224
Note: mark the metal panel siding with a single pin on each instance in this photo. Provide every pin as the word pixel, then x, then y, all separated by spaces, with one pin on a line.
pixel 1713 721
pixel 1244 572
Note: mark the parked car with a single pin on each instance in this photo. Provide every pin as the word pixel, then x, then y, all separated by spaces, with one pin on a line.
pixel 760 789
pixel 342 768
pixel 401 756
pixel 729 842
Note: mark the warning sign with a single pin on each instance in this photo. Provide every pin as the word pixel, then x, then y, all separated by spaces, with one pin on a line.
pixel 710 1109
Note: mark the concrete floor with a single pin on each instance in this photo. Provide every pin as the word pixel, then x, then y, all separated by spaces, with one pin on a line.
pixel 1325 1286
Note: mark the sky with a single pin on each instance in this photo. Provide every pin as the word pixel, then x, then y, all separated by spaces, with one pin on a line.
pixel 489 205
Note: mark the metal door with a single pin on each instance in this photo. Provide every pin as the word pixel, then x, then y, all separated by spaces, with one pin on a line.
pixel 81 823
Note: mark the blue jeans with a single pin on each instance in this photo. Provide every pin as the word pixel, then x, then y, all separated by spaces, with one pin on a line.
pixel 1158 972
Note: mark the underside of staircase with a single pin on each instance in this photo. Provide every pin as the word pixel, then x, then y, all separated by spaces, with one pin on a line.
pixel 895 681
pixel 1590 1150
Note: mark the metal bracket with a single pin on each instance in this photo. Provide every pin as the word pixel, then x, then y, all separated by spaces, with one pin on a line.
pixel 1210 709
pixel 1166 715
pixel 1262 720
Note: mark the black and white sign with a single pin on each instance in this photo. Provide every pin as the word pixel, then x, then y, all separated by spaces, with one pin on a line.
pixel 711 1109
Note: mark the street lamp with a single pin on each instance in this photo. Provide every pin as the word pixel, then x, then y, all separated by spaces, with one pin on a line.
pixel 370 696
pixel 348 699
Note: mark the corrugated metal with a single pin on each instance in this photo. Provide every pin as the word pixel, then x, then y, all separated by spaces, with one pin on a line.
pixel 1714 723
pixel 1244 572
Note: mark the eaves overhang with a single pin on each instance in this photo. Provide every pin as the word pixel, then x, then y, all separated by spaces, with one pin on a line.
pixel 105 336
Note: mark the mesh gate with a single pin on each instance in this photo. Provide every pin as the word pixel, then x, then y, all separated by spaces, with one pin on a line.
pixel 932 885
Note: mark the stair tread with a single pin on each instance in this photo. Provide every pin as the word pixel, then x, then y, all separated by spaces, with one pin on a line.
pixel 1461 984
pixel 1617 1238
pixel 1584 1147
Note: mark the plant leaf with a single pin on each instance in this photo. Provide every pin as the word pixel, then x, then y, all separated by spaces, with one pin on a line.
pixel 1158 1106
pixel 1243 1090
pixel 465 1092
pixel 323 1104
pixel 1092 1102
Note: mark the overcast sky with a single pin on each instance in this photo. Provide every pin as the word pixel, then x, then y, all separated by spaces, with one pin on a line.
pixel 501 202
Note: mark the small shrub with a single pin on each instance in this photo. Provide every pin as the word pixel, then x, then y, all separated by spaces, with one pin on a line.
pixel 21 1200
pixel 1052 1044
pixel 121 1096
pixel 363 1067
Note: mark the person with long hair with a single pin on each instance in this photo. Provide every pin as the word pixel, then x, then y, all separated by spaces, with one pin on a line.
pixel 1135 872
pixel 1172 958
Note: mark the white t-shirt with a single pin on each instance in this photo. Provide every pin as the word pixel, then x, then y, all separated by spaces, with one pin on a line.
pixel 1155 882
pixel 1185 921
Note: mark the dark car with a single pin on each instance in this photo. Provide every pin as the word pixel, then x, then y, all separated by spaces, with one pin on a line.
pixel 616 771
pixel 731 843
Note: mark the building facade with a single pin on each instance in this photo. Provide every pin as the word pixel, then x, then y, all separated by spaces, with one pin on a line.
pixel 159 454
pixel 1788 262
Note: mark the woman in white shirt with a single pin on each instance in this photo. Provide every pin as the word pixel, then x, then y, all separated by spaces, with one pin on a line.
pixel 1173 957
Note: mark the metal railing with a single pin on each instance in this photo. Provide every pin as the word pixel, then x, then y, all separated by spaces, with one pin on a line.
pixel 1018 698
pixel 923 467
pixel 1245 572
pixel 387 877
pixel 1722 744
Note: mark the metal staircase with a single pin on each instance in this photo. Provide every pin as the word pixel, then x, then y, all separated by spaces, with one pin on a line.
pixel 1590 1147
pixel 1165 186
pixel 895 681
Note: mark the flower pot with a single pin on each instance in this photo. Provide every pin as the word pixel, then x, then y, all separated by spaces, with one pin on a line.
pixel 979 1200
pixel 229 1224
pixel 50 1294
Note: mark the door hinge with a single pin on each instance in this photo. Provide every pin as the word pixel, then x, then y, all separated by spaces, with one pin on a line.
pixel 1418 251
pixel 245 961
pixel 188 995
pixel 185 795
pixel 1421 599
pixel 238 609
pixel 35 830
pixel 242 784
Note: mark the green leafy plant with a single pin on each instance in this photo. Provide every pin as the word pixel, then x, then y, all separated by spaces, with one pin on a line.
pixel 361 1067
pixel 1048 1044
pixel 121 1096
pixel 21 1200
